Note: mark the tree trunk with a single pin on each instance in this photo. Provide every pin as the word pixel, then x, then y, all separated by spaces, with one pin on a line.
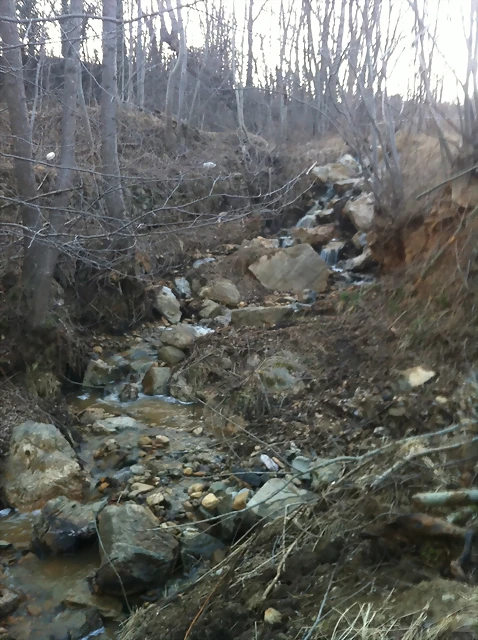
pixel 36 278
pixel 113 193
pixel 140 59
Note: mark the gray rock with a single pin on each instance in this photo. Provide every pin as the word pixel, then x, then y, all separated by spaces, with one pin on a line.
pixel 302 465
pixel 40 465
pixel 129 392
pixel 210 309
pixel 113 425
pixel 100 374
pixel 332 252
pixel 195 546
pixel 171 355
pixel 361 212
pixel 276 498
pixel 183 288
pixel 260 316
pixel 181 389
pixel 65 525
pixel 222 291
pixel 347 184
pixel 201 261
pixel 167 305
pixel 181 336
pixel 9 601
pixel 315 236
pixel 143 555
pixel 361 263
pixel 74 625
pixel 292 269
pixel 81 597
pixel 156 381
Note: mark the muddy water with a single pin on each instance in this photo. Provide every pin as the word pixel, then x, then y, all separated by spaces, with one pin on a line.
pixel 47 582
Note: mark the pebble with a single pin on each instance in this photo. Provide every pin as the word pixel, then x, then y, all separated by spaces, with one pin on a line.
pixel 198 431
pixel 140 487
pixel 98 349
pixel 272 616
pixel 34 609
pixel 188 471
pixel 240 500
pixel 161 441
pixel 144 441
pixel 210 501
pixel 197 487
pixel 196 495
pixel 154 499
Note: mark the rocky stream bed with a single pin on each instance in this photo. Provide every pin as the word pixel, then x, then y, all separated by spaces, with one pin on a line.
pixel 261 378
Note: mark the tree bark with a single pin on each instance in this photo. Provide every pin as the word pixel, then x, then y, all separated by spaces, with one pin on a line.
pixel 36 279
pixel 113 193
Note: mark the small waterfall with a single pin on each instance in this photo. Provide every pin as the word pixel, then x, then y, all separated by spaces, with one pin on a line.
pixel 309 221
pixel 331 252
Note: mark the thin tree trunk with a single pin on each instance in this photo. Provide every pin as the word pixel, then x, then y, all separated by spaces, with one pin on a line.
pixel 140 59
pixel 36 279
pixel 113 194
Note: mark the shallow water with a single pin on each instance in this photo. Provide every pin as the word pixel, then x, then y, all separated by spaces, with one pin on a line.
pixel 45 582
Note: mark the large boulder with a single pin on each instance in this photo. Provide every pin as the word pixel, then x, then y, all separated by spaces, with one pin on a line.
pixel 260 316
pixel 315 236
pixel 99 373
pixel 171 355
pixel 222 291
pixel 180 336
pixel 361 212
pixel 156 381
pixel 360 263
pixel 40 465
pixel 346 167
pixel 166 303
pixel 134 550
pixel 65 526
pixel 293 269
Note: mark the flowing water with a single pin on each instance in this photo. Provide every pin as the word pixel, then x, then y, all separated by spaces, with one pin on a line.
pixel 49 583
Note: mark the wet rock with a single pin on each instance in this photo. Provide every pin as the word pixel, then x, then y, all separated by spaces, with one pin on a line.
pixel 180 336
pixel 196 546
pixel 361 212
pixel 156 381
pixel 81 597
pixel 292 269
pixel 210 310
pixel 74 625
pixel 100 374
pixel 181 389
pixel 276 497
pixel 183 288
pixel 166 303
pixel 171 355
pixel 324 476
pixel 65 526
pixel 9 601
pixel 260 316
pixel 315 236
pixel 114 425
pixel 142 554
pixel 341 187
pixel 309 221
pixel 360 263
pixel 359 240
pixel 222 291
pixel 282 373
pixel 129 392
pixel 40 465
pixel 332 252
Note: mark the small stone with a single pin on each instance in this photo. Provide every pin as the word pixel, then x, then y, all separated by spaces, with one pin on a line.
pixel 97 349
pixel 4 545
pixel 210 501
pixel 198 487
pixel 198 431
pixel 272 616
pixel 188 471
pixel 196 495
pixel 144 441
pixel 161 441
pixel 141 487
pixel 103 486
pixel 34 609
pixel 9 601
pixel 240 500
pixel 155 499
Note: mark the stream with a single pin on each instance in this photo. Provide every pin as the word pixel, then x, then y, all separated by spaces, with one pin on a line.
pixel 55 587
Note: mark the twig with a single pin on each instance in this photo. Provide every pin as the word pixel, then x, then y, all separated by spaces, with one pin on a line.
pixel 272 584
pixel 447 181
pixel 308 635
